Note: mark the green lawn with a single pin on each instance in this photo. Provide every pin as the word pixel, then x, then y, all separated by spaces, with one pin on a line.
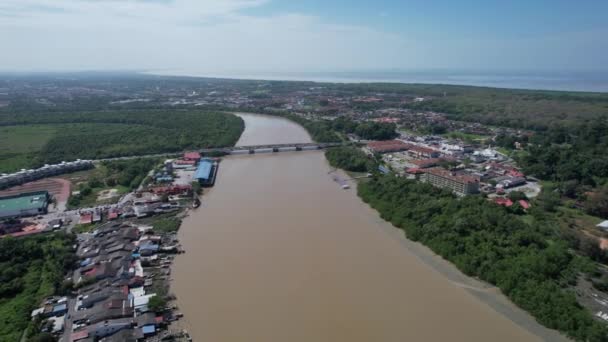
pixel 25 139
pixel 37 139
pixel 19 145
pixel 465 136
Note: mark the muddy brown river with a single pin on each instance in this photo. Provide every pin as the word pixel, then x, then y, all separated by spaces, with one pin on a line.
pixel 279 252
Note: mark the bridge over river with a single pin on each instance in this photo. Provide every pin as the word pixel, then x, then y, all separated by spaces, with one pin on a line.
pixel 274 148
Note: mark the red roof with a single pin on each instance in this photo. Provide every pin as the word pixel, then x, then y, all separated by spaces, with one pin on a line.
pixel 388 146
pixel 424 163
pixel 192 156
pixel 515 173
pixel 503 201
pixel 86 218
pixel 524 204
pixel 414 171
pixel 80 334
pixel 422 150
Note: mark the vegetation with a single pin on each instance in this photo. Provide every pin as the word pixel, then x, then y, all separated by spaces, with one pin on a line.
pixel 527 262
pixel 366 130
pixel 124 175
pixel 530 109
pixel 34 139
pixel 574 159
pixel 349 158
pixel 31 268
pixel 157 303
pixel 166 224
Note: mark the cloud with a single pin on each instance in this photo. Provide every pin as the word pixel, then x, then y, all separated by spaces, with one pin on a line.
pixel 218 36
pixel 185 34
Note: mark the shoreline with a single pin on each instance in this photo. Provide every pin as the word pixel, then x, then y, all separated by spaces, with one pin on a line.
pixel 487 293
pixel 480 290
pixel 522 82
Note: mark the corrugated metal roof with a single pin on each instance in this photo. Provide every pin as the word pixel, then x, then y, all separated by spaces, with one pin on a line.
pixel 204 170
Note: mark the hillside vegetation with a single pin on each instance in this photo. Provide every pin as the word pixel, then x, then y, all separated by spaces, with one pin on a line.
pixel 31 269
pixel 35 139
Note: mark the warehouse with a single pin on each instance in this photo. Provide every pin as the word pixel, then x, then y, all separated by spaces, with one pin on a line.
pixel 205 173
pixel 25 204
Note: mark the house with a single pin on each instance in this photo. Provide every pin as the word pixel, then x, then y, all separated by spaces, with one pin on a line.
pixel 387 146
pixel 422 152
pixel 192 156
pixel 110 327
pixel 505 202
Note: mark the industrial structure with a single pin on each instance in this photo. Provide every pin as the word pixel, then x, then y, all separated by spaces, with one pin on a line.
pixel 25 204
pixel 206 171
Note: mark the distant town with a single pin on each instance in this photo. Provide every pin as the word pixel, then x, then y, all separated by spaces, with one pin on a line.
pixel 125 208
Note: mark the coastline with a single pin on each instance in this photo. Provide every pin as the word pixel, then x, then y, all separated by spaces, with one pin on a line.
pixel 561 82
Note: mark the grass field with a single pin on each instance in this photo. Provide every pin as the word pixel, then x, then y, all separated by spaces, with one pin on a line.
pixel 28 141
pixel 19 144
pixel 466 136
pixel 25 139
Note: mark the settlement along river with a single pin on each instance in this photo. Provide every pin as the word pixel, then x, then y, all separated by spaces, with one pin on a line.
pixel 279 252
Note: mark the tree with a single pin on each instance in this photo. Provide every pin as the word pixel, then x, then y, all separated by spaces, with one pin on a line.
pixel 516 196
pixel 157 304
pixel 597 203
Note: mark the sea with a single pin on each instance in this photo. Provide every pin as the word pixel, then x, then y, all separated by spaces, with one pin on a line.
pixel 587 81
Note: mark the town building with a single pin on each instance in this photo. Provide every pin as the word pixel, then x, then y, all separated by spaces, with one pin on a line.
pixel 24 176
pixel 387 146
pixel 460 184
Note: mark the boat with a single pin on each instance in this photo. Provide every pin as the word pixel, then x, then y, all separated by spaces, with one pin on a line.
pixel 196 203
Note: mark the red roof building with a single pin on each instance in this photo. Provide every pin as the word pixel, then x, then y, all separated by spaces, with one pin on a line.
pixel 426 163
pixel 505 202
pixel 171 190
pixel 388 146
pixel 195 156
pixel 86 218
pixel 425 152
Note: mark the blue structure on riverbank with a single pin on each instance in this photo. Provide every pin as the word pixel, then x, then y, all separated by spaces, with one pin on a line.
pixel 205 173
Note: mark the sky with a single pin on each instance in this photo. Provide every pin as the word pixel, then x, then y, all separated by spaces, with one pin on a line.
pixel 217 36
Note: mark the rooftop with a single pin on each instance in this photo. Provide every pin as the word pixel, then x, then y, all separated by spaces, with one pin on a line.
pixel 461 178
pixel 25 201
pixel 204 169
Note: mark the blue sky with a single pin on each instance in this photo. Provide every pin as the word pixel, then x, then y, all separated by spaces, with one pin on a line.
pixel 510 18
pixel 218 36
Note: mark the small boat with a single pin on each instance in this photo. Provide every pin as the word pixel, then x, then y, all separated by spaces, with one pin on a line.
pixel 196 203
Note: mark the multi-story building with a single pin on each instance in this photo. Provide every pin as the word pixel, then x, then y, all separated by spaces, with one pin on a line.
pixel 459 183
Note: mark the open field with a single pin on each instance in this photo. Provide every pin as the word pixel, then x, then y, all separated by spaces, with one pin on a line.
pixel 34 140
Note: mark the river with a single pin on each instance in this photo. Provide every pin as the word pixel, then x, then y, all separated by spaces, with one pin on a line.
pixel 279 252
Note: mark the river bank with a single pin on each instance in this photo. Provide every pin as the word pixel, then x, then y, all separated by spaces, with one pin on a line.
pixel 279 252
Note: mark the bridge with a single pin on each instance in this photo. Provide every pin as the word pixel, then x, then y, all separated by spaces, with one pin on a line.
pixel 269 148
